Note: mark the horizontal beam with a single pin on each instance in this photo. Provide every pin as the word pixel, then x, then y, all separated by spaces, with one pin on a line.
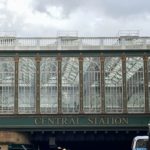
pixel 75 53
pixel 85 121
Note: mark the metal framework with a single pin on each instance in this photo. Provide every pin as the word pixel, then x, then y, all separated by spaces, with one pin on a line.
pixel 71 74
pixel 70 97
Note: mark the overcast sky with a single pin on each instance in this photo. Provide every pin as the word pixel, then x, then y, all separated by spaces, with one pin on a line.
pixel 88 17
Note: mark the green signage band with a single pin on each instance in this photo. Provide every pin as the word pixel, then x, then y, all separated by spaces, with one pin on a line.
pixel 77 121
pixel 69 121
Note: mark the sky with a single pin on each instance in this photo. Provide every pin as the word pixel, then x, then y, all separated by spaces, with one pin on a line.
pixel 84 17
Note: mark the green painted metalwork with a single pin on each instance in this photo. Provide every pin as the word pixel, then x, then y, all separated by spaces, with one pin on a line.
pixel 64 121
pixel 73 121
pixel 75 53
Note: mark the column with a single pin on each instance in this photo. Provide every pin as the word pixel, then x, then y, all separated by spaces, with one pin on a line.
pixel 124 83
pixel 145 59
pixel 4 146
pixel 81 82
pixel 37 59
pixel 59 59
pixel 16 59
pixel 102 84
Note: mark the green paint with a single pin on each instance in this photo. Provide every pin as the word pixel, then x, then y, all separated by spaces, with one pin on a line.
pixel 75 53
pixel 65 121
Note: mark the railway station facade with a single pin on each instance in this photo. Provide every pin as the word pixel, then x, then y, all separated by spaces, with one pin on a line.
pixel 70 85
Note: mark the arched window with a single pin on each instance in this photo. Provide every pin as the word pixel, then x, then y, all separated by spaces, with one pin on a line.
pixel 48 90
pixel 26 95
pixel 70 84
pixel 113 85
pixel 7 87
pixel 135 84
pixel 91 85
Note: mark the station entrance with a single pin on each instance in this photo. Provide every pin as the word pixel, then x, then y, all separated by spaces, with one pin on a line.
pixel 73 92
pixel 69 140
pixel 101 140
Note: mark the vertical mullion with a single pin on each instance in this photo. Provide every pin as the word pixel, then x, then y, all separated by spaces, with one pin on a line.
pixel 16 83
pixel 81 82
pixel 102 84
pixel 145 58
pixel 38 59
pixel 2 92
pixel 124 82
pixel 59 59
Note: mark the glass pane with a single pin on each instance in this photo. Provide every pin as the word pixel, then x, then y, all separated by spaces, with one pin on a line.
pixel 70 85
pixel 113 84
pixel 48 68
pixel 91 85
pixel 26 96
pixel 7 80
pixel 135 84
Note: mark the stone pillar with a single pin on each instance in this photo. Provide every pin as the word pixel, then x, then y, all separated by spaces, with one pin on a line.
pixel 81 82
pixel 3 147
pixel 102 84
pixel 124 83
pixel 16 59
pixel 37 59
pixel 145 59
pixel 59 82
pixel 13 138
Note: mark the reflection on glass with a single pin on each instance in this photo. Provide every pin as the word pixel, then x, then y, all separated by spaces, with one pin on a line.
pixel 113 84
pixel 7 79
pixel 135 84
pixel 48 98
pixel 70 85
pixel 26 96
pixel 91 85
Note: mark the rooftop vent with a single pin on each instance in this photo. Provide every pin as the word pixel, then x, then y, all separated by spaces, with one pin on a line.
pixel 7 38
pixel 68 35
pixel 128 33
pixel 7 34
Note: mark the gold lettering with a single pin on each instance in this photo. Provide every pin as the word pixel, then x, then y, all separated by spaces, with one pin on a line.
pixel 64 121
pixel 74 121
pixel 117 121
pixel 51 121
pixel 58 120
pixel 90 120
pixel 124 120
pixel 112 120
pixel 107 120
pixel 102 121
pixel 95 120
pixel 77 120
pixel 38 121
pixel 44 121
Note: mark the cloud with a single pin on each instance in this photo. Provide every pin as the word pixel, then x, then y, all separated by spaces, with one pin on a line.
pixel 113 8
pixel 125 8
pixel 11 15
pixel 88 17
pixel 67 6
